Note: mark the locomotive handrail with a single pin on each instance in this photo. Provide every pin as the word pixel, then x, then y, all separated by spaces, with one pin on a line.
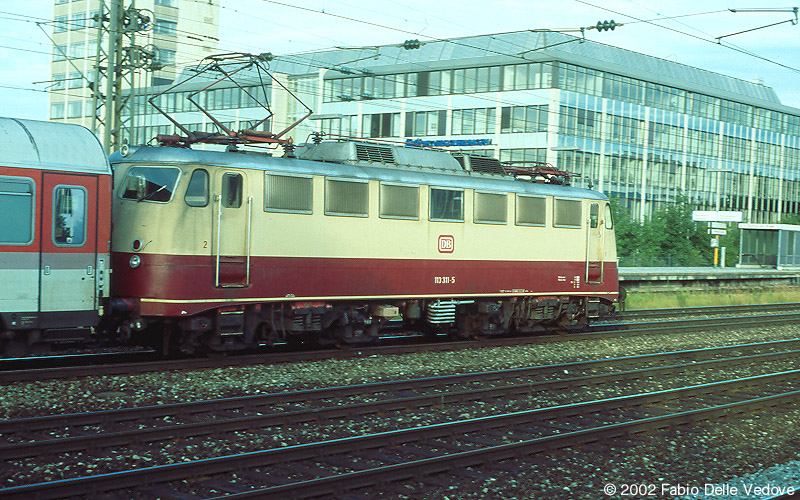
pixel 218 199
pixel 249 239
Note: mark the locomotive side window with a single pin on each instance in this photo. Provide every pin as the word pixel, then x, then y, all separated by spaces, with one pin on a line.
pixel 350 198
pixel 288 193
pixel 197 191
pixel 568 213
pixel 399 201
pixel 609 219
pixel 447 205
pixel 149 184
pixel 594 215
pixel 531 210
pixel 69 216
pixel 491 208
pixel 232 185
pixel 17 208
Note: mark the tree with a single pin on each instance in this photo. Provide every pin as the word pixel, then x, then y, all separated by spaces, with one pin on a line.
pixel 668 238
pixel 791 219
pixel 625 228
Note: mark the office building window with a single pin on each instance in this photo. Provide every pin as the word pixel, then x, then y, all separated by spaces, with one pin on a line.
pixel 57 111
pixel 165 27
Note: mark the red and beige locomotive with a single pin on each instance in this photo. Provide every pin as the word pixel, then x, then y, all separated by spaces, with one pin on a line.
pixel 338 241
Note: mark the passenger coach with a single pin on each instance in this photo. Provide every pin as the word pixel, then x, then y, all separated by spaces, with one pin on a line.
pixel 55 230
pixel 229 249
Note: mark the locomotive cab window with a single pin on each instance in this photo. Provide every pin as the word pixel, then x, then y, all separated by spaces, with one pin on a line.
pixel 232 185
pixel 491 208
pixel 609 218
pixel 349 198
pixel 149 184
pixel 197 191
pixel 17 209
pixel 69 216
pixel 447 205
pixel 288 193
pixel 568 213
pixel 531 210
pixel 399 201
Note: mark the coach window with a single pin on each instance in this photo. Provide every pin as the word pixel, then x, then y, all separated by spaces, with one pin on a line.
pixel 232 185
pixel 149 184
pixel 531 210
pixel 69 216
pixel 288 193
pixel 346 197
pixel 568 213
pixel 491 208
pixel 197 191
pixel 447 205
pixel 16 211
pixel 399 201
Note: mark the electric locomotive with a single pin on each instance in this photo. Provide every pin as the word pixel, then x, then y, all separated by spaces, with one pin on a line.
pixel 344 241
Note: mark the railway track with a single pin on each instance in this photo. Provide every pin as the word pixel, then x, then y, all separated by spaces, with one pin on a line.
pixel 14 370
pixel 399 454
pixel 640 314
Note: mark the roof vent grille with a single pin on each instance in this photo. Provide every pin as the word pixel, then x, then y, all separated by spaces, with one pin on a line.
pixel 486 165
pixel 368 152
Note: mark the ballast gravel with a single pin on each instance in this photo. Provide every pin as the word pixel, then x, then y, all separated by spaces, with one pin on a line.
pixel 699 455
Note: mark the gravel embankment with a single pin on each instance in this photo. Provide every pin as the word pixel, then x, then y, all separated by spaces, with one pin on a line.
pixel 689 456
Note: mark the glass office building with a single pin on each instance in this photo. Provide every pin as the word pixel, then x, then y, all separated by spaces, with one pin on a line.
pixel 638 128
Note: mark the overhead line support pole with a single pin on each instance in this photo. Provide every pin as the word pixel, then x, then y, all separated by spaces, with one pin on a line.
pixel 114 52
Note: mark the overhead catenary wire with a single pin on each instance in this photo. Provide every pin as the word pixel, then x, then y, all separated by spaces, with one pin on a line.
pixel 387 102
pixel 712 41
pixel 416 33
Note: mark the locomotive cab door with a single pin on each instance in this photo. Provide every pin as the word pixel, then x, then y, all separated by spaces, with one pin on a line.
pixel 595 233
pixel 233 226
pixel 67 293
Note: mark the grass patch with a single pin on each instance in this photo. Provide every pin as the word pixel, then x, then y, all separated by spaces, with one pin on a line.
pixel 661 300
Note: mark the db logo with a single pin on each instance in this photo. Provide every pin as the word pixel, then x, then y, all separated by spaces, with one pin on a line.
pixel 446 243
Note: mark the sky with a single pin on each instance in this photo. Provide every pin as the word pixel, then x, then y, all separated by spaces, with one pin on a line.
pixel 678 30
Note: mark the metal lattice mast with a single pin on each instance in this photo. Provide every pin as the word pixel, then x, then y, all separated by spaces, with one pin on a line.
pixel 123 59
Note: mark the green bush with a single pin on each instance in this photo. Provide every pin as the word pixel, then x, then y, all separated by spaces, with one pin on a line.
pixel 669 238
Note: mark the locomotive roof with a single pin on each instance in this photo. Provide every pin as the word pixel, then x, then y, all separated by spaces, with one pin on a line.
pixel 446 177
pixel 52 146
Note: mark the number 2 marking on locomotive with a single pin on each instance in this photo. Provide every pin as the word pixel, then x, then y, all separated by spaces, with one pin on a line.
pixel 205 244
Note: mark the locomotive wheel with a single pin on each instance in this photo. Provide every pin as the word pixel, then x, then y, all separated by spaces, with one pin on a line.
pixel 468 326
pixel 266 334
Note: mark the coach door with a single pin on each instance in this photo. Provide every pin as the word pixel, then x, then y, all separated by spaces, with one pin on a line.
pixel 69 248
pixel 595 233
pixel 233 226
